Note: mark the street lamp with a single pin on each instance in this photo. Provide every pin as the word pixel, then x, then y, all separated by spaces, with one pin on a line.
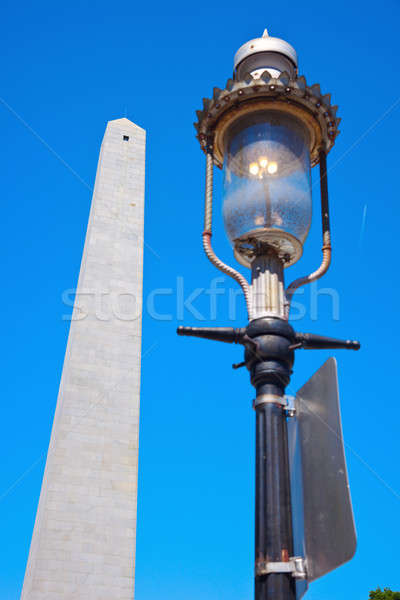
pixel 266 129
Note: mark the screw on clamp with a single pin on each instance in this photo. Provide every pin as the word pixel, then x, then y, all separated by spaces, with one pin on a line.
pixel 296 566
pixel 238 365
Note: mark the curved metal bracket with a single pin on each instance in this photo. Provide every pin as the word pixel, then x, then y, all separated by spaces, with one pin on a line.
pixel 207 233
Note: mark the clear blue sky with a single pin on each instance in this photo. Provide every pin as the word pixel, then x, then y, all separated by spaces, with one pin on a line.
pixel 68 68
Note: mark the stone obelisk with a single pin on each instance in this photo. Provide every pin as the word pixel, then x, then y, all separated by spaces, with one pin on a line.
pixel 83 544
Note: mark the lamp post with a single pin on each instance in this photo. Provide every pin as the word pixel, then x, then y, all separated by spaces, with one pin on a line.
pixel 266 129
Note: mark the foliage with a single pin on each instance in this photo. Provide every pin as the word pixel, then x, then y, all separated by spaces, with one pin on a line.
pixel 385 594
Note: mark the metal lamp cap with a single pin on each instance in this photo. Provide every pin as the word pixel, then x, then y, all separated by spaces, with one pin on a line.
pixel 265 44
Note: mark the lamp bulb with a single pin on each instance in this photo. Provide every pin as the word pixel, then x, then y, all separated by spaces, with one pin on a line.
pixel 272 168
pixel 263 160
pixel 253 168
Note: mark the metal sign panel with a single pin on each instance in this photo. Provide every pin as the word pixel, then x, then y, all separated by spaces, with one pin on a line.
pixel 316 444
pixel 296 488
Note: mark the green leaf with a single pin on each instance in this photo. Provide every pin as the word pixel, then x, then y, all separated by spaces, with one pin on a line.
pixel 386 594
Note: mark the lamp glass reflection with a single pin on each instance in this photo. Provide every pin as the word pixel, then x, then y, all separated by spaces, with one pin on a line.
pixel 267 177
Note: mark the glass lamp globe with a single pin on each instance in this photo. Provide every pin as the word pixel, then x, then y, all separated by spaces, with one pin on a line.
pixel 267 184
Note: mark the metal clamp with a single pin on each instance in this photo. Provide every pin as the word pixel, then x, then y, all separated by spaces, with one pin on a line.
pixel 295 565
pixel 290 407
pixel 269 399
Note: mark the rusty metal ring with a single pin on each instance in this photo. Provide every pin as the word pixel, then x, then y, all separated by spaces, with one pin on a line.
pixel 290 95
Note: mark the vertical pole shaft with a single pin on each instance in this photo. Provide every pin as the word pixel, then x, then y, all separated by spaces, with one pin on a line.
pixel 267 286
pixel 273 520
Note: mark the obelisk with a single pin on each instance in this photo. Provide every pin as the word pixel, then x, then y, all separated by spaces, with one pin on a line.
pixel 83 544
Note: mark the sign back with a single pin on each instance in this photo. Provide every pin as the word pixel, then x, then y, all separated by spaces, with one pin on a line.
pixel 319 476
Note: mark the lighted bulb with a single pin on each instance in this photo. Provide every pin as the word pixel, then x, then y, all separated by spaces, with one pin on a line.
pixel 253 168
pixel 263 161
pixel 272 168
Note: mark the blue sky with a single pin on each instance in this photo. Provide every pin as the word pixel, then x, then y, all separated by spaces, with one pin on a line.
pixel 66 70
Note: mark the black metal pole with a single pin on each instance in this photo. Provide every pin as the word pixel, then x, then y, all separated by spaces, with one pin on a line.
pixel 273 521
pixel 270 368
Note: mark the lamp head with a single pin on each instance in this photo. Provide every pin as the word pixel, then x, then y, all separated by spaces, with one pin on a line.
pixel 266 129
